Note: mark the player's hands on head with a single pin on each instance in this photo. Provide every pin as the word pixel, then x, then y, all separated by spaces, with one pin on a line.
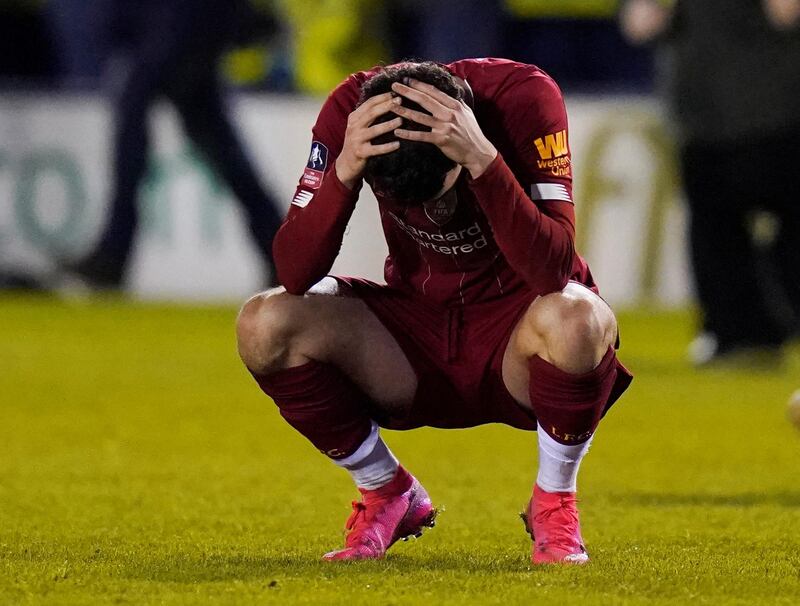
pixel 454 128
pixel 359 135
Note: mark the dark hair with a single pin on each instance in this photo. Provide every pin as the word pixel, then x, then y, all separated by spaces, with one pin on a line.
pixel 415 171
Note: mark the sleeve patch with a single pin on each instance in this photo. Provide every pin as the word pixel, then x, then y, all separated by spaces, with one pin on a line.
pixel 553 145
pixel 316 165
pixel 550 191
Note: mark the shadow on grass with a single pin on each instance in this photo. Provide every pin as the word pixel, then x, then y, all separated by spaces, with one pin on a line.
pixel 747 499
pixel 209 568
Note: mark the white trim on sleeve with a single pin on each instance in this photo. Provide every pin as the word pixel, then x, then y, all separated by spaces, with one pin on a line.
pixel 302 198
pixel 550 191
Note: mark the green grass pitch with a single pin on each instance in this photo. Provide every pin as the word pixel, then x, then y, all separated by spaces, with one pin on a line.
pixel 139 464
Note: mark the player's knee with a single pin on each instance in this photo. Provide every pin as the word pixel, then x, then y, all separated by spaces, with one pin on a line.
pixel 264 329
pixel 576 330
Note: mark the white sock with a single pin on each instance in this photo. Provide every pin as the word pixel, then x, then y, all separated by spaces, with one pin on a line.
pixel 559 463
pixel 373 465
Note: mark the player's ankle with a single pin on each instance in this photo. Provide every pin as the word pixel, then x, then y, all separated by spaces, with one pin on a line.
pixel 400 483
pixel 551 491
pixel 372 465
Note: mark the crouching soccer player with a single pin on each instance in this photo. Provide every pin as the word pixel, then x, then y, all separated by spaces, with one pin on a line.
pixel 488 315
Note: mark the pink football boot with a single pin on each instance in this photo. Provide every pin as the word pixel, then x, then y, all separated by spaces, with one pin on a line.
pixel 398 510
pixel 551 519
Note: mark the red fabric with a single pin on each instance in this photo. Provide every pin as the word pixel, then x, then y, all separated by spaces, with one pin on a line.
pixel 322 404
pixel 537 243
pixel 457 357
pixel 310 241
pixel 569 406
pixel 487 240
pixel 456 354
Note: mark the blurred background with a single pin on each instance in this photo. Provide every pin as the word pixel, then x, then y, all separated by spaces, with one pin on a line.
pixel 154 146
pixel 66 72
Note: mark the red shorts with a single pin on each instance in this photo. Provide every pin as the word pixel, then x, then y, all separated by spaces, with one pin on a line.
pixel 457 356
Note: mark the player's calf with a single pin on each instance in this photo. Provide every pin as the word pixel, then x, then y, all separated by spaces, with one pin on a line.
pixel 561 361
pixel 296 349
pixel 562 352
pixel 281 341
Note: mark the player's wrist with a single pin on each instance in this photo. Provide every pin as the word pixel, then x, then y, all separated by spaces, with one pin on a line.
pixel 478 165
pixel 347 176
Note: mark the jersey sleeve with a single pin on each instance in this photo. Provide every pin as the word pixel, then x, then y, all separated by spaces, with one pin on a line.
pixel 537 120
pixel 311 235
pixel 530 206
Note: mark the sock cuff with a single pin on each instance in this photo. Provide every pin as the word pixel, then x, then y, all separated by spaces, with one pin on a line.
pixel 363 451
pixel 286 382
pixel 566 453
pixel 546 371
pixel 323 404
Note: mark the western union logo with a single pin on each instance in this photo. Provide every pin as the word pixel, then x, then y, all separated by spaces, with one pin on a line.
pixel 552 146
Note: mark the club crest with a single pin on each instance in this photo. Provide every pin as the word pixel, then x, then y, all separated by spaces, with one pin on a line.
pixel 441 210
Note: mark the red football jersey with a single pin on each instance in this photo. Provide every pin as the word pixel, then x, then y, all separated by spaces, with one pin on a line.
pixel 509 229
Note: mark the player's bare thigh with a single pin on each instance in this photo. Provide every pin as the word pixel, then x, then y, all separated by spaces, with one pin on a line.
pixel 571 329
pixel 330 324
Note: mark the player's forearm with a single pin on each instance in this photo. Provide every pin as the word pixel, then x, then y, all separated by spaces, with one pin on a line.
pixel 309 240
pixel 538 247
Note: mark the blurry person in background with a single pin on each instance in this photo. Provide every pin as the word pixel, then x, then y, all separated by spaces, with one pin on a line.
pixel 331 40
pixel 575 41
pixel 176 47
pixel 734 90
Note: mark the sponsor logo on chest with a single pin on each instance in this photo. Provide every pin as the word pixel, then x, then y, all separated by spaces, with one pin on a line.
pixel 457 242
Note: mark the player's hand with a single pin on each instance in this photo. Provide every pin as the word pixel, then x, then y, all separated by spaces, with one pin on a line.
pixel 454 128
pixel 359 135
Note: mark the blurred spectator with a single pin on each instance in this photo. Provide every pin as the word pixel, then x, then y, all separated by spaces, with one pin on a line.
pixel 334 38
pixel 576 41
pixel 177 45
pixel 734 88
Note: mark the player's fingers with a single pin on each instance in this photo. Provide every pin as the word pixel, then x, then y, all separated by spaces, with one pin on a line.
pixel 434 92
pixel 379 150
pixel 416 135
pixel 372 101
pixel 365 115
pixel 384 127
pixel 432 105
pixel 415 116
